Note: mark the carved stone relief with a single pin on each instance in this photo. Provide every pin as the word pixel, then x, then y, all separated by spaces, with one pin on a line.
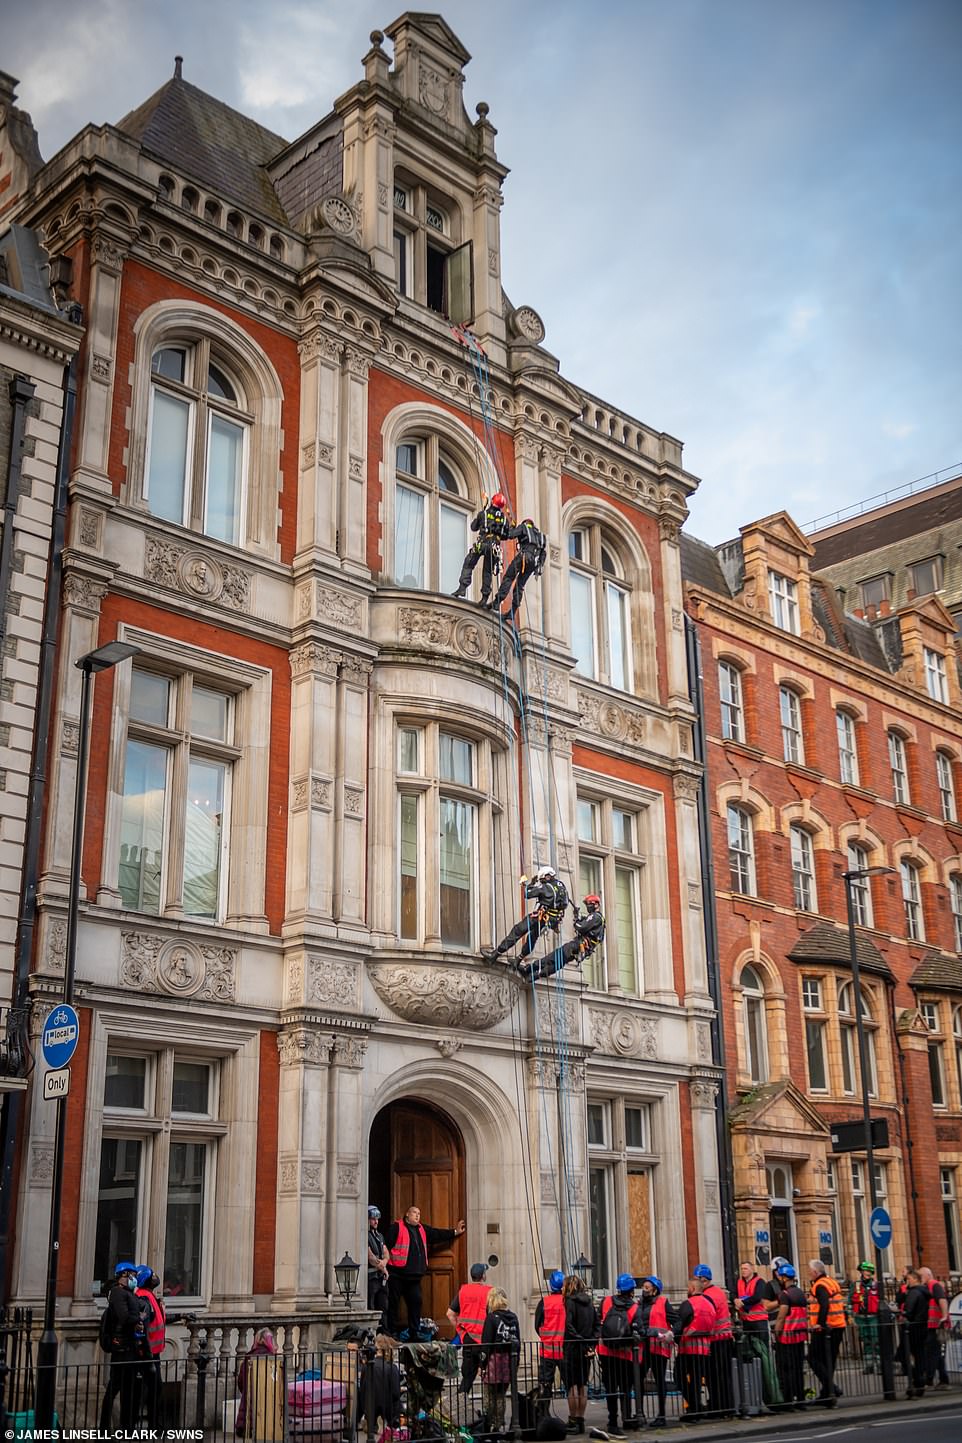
pixel 433 90
pixel 607 719
pixel 703 1042
pixel 560 1015
pixel 332 983
pixel 338 215
pixel 100 369
pixel 437 631
pixel 84 593
pixel 703 1092
pixel 89 528
pixel 179 968
pixel 41 1163
pixel 526 325
pixel 347 1179
pixel 548 1191
pixel 349 1051
pixel 444 994
pixel 353 802
pixel 196 574
pixel 448 1046
pixel 304 1045
pixel 312 657
pixel 55 953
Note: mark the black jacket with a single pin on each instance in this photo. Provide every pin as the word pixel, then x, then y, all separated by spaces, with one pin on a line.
pixel 491 523
pixel 581 1319
pixel 917 1306
pixel 501 1334
pixel 380 1386
pixel 551 894
pixel 417 1264
pixel 127 1330
pixel 528 537
pixel 591 927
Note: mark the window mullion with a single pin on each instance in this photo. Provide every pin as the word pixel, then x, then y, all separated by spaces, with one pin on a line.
pixel 176 822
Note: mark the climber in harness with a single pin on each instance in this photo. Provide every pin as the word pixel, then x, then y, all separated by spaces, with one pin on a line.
pixel 551 897
pixel 589 934
pixel 528 561
pixel 492 526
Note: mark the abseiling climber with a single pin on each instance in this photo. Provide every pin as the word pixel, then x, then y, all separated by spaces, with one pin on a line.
pixel 551 896
pixel 528 561
pixel 589 934
pixel 493 527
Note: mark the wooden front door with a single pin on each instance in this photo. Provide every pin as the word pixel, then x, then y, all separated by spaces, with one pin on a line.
pixel 417 1159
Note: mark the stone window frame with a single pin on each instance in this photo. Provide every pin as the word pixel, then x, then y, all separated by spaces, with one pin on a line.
pixel 184 323
pixel 802 878
pixel 229 1229
pixel 617 1160
pixel 602 566
pixel 735 713
pixel 897 744
pixel 250 686
pixel 784 597
pixel 936 675
pixel 946 763
pixel 411 220
pixel 774 1017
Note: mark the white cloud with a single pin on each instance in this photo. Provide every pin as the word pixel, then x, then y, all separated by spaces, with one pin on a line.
pixel 898 430
pixel 289 55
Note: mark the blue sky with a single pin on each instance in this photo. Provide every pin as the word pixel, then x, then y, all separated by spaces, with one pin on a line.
pixel 741 220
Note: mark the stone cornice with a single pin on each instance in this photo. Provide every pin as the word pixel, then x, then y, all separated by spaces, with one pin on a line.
pixel 31 329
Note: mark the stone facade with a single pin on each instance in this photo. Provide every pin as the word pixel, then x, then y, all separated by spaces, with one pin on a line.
pixel 287 970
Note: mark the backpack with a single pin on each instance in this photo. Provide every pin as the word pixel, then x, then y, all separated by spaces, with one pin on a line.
pixel 105 1331
pixel 615 1326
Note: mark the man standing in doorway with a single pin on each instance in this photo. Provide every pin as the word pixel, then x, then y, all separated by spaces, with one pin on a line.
pixel 408 1240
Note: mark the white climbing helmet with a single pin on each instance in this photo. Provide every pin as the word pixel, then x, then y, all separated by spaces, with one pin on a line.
pixel 544 872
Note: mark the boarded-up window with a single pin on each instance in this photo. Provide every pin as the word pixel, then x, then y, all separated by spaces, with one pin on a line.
pixel 639 1224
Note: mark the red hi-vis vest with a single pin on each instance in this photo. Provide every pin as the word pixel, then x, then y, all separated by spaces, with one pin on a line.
pixel 398 1257
pixel 658 1321
pixel 718 1298
pixel 472 1310
pixel 935 1312
pixel 552 1330
pixel 157 1326
pixel 795 1324
pixel 865 1299
pixel 604 1351
pixel 698 1335
pixel 757 1312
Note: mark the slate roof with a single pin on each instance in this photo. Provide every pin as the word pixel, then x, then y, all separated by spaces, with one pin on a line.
pixel 826 943
pixel 700 565
pixel 212 143
pixel 939 971
pixel 873 533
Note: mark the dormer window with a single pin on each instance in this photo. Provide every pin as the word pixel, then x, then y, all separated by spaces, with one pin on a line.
pixel 875 591
pixel 926 575
pixel 429 267
pixel 935 679
pixel 783 595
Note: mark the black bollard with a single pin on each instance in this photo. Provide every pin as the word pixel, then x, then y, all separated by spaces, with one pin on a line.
pixel 886 1349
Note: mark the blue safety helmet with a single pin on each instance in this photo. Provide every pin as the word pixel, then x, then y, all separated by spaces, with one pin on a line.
pixel 625 1283
pixel 556 1281
pixel 701 1270
pixel 122 1268
pixel 655 1282
pixel 144 1275
pixel 787 1271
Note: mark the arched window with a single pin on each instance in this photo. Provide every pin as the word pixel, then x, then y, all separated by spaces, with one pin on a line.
pixel 741 851
pixel 898 763
pixel 753 1012
pixel 955 902
pixel 847 748
pixel 912 900
pixel 790 709
pixel 803 870
pixel 731 701
pixel 859 860
pixel 957 1041
pixel 197 448
pixel 600 596
pixel 946 784
pixel 432 512
pixel 849 1040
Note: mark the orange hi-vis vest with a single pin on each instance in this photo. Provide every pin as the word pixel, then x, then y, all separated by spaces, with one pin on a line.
pixel 698 1335
pixel 795 1324
pixel 610 1351
pixel 658 1322
pixel 757 1313
pixel 935 1312
pixel 398 1256
pixel 472 1310
pixel 836 1308
pixel 552 1330
pixel 157 1327
pixel 718 1298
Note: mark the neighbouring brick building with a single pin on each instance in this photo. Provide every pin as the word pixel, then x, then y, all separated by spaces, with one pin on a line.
pixel 311 794
pixel 834 744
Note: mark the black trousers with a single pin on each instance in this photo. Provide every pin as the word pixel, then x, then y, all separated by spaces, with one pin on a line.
pixel 720 1398
pixel 403 1285
pixel 918 1343
pixel 617 1375
pixel 480 550
pixel 377 1293
pixel 470 1363
pixel 123 1379
pixel 530 928
pixel 693 1368
pixel 822 1356
pixel 934 1359
pixel 548 966
pixel 519 572
pixel 790 1362
pixel 659 1369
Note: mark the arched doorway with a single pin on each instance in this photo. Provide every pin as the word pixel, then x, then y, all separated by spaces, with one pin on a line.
pixel 417 1156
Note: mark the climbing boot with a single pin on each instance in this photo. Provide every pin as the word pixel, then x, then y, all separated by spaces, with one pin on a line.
pixel 460 593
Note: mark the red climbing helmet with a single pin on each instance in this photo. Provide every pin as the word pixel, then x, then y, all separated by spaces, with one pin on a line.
pixel 499 501
pixel 593 900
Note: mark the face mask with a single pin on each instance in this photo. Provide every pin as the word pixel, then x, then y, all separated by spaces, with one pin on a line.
pixel 132 1283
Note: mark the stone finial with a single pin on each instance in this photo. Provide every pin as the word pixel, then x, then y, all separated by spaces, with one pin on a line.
pixel 20 157
pixel 377 37
pixel 178 67
pixel 481 109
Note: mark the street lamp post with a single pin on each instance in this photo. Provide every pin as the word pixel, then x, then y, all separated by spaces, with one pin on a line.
pixel 886 1361
pixel 102 659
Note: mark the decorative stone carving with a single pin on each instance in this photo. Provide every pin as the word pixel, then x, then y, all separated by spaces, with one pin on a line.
pixel 339 215
pixel 685 787
pixel 649 1037
pixel 711 1197
pixel 100 369
pixel 318 347
pixel 558 1014
pixel 381 195
pixel 350 1051
pixel 70 738
pixel 525 324
pixel 312 657
pixel 356 669
pixel 333 984
pixel 107 253
pixel 669 529
pixel 355 469
pixel 322 792
pixel 433 90
pixel 294 981
pixel 84 593
pixel 299 795
pixel 304 1045
pixel 677 619
pixel 353 802
pixel 609 720
pixel 492 261
pixel 358 364
pixel 341 611
pixel 526 447
pixel 548 1190
pixel 196 574
pixel 448 1046
pixel 308 455
pixel 551 683
pixel 89 528
pixel 703 1042
pixel 438 631
pixel 445 994
pixel 288 1175
pixel 347 1179
pixel 694 896
pixel 55 955
pixel 41 1162
pixel 552 458
pixel 180 968
pixel 703 1092
pixel 543 1072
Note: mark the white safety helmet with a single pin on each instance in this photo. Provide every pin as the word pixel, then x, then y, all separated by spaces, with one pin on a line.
pixel 544 872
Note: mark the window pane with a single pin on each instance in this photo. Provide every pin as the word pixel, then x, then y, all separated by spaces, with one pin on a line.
pixel 149 698
pixel 936 1074
pixel 447 481
pixel 848 1059
pixel 208 713
pixel 408 750
pixel 118 1206
pixel 582 622
pixel 408 924
pixel 587 821
pixel 454 543
pixel 400 264
pixel 124 1081
pixel 225 466
pixel 634 1127
pixel 755 1040
pixel 457 872
pixel 598 1211
pixel 814 1038
pixel 191 1091
pixel 218 385
pixel 589 879
pixel 597 1133
pixel 142 826
pixel 626 921
pixel 183 1246
pixel 618 669
pixel 167 472
pixel 203 836
pixel 457 760
pixel 623 830
pixel 409 538
pixel 577 548
pixel 407 458
pixel 169 362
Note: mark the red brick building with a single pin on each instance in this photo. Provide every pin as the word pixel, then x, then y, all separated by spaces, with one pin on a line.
pixel 834 744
